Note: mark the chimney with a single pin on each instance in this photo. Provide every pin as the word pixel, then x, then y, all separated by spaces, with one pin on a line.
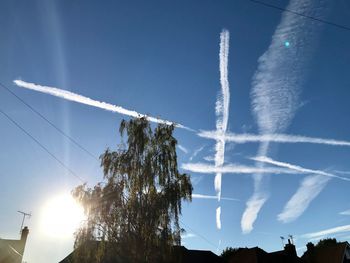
pixel 310 246
pixel 290 249
pixel 24 234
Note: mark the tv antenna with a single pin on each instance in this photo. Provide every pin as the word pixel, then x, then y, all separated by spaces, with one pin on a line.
pixel 291 239
pixel 282 239
pixel 24 217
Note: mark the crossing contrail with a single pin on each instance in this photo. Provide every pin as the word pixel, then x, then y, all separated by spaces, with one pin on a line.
pixel 68 95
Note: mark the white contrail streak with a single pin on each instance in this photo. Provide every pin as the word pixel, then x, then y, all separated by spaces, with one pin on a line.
pixel 87 101
pixel 259 197
pixel 182 148
pixel 196 152
pixel 297 168
pixel 201 196
pixel 249 216
pixel 218 217
pixel 310 187
pixel 222 108
pixel 277 138
pixel 235 169
pixel 276 85
pixel 327 232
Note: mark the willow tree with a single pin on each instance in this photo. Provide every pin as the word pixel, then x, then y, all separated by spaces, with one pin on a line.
pixel 134 213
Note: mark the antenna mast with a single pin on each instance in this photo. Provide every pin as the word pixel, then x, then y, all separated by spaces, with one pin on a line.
pixel 24 217
pixel 291 239
pixel 282 239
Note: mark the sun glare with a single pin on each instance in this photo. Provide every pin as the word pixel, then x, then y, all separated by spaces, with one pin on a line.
pixel 61 216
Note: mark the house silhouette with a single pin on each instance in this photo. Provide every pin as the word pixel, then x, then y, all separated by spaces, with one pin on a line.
pixel 11 251
pixel 330 253
pixel 181 255
pixel 333 253
pixel 258 255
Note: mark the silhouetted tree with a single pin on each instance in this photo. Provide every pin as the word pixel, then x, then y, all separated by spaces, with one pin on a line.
pixel 134 214
pixel 228 252
pixel 326 242
pixel 313 249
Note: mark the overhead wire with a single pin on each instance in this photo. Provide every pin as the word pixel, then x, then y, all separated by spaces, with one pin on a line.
pixel 48 121
pixel 41 145
pixel 92 155
pixel 199 235
pixel 73 141
pixel 262 3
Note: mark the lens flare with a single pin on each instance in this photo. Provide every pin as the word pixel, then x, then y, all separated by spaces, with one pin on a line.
pixel 61 216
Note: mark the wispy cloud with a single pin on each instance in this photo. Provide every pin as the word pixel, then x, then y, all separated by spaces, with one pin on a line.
pixel 201 196
pixel 327 232
pixel 345 213
pixel 260 195
pixel 297 168
pixel 250 214
pixel 309 189
pixel 277 138
pixel 235 169
pixel 196 152
pixel 222 108
pixel 275 88
pixel 218 217
pixel 87 101
pixel 182 148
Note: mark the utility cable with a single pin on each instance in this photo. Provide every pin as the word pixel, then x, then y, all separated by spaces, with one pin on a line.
pixel 199 235
pixel 49 122
pixel 300 14
pixel 73 141
pixel 41 145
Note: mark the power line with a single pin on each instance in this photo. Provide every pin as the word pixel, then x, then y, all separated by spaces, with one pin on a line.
pixel 41 145
pixel 199 235
pixel 49 122
pixel 74 174
pixel 300 14
pixel 74 142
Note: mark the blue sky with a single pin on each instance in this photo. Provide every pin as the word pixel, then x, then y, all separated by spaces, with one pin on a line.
pixel 162 58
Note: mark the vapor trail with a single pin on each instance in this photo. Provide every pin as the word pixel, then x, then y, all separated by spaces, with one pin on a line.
pixel 182 148
pixel 196 152
pixel 218 217
pixel 310 187
pixel 201 196
pixel 297 168
pixel 328 232
pixel 236 169
pixel 222 108
pixel 87 101
pixel 277 138
pixel 276 87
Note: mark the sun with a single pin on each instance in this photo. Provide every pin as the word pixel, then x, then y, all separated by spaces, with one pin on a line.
pixel 61 216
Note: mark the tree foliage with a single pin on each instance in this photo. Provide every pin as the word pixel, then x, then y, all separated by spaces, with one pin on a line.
pixel 321 244
pixel 326 242
pixel 228 252
pixel 133 215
